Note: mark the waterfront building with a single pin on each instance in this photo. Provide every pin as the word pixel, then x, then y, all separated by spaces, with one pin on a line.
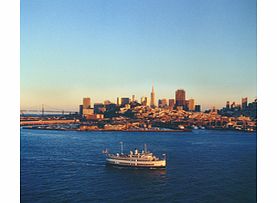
pixel 144 101
pixel 152 101
pixel 244 103
pixel 124 101
pixel 180 97
pixel 190 105
pixel 98 116
pixel 86 103
pixel 86 109
pixel 87 112
pixel 197 108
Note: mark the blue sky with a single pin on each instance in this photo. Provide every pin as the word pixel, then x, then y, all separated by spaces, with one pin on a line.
pixel 104 49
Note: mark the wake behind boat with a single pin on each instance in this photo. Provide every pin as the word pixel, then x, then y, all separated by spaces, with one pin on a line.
pixel 136 159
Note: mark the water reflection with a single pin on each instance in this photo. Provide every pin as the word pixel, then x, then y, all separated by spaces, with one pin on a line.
pixel 155 172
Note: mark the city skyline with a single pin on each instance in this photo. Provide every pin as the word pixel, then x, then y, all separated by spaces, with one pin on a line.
pixel 102 49
pixel 141 99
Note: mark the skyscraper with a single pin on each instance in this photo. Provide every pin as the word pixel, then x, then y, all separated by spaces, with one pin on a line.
pixel 162 103
pixel 86 107
pixel 171 103
pixel 244 103
pixel 152 101
pixel 233 105
pixel 180 97
pixel 197 108
pixel 228 105
pixel 86 103
pixel 118 101
pixel 144 101
pixel 190 105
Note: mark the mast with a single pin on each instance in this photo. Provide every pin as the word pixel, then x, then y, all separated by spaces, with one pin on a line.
pixel 121 147
pixel 145 148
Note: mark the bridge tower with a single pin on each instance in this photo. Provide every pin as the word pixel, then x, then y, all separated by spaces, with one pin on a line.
pixel 42 110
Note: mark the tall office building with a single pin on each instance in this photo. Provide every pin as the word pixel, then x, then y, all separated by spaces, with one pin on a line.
pixel 171 103
pixel 86 109
pixel 197 108
pixel 144 101
pixel 81 109
pixel 86 103
pixel 133 98
pixel 228 105
pixel 190 105
pixel 233 105
pixel 162 103
pixel 244 103
pixel 152 101
pixel 118 101
pixel 180 97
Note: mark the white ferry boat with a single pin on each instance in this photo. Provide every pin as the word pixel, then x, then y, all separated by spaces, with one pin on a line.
pixel 136 159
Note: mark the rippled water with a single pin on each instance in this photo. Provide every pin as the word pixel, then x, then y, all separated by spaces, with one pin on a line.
pixel 203 166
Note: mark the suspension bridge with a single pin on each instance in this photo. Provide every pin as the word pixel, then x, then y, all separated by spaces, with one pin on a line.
pixel 44 110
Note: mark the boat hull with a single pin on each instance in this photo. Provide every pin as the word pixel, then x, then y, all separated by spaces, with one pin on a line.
pixel 136 164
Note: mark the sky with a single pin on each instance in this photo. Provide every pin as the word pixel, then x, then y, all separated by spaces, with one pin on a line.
pixel 105 49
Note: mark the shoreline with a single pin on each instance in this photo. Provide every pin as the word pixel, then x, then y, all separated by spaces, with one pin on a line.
pixel 136 131
pixel 102 130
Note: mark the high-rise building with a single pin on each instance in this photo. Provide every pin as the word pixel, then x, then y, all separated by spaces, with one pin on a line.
pixel 86 103
pixel 118 101
pixel 197 108
pixel 152 101
pixel 233 105
pixel 228 105
pixel 180 97
pixel 99 108
pixel 81 109
pixel 185 107
pixel 190 105
pixel 133 98
pixel 159 102
pixel 124 101
pixel 162 103
pixel 171 103
pixel 244 103
pixel 86 107
pixel 144 101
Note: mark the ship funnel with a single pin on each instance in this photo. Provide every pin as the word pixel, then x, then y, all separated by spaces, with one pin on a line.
pixel 145 148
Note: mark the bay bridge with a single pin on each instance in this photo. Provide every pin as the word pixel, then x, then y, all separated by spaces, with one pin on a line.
pixel 45 110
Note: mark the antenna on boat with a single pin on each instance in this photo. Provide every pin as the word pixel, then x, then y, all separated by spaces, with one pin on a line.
pixel 121 147
pixel 145 148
